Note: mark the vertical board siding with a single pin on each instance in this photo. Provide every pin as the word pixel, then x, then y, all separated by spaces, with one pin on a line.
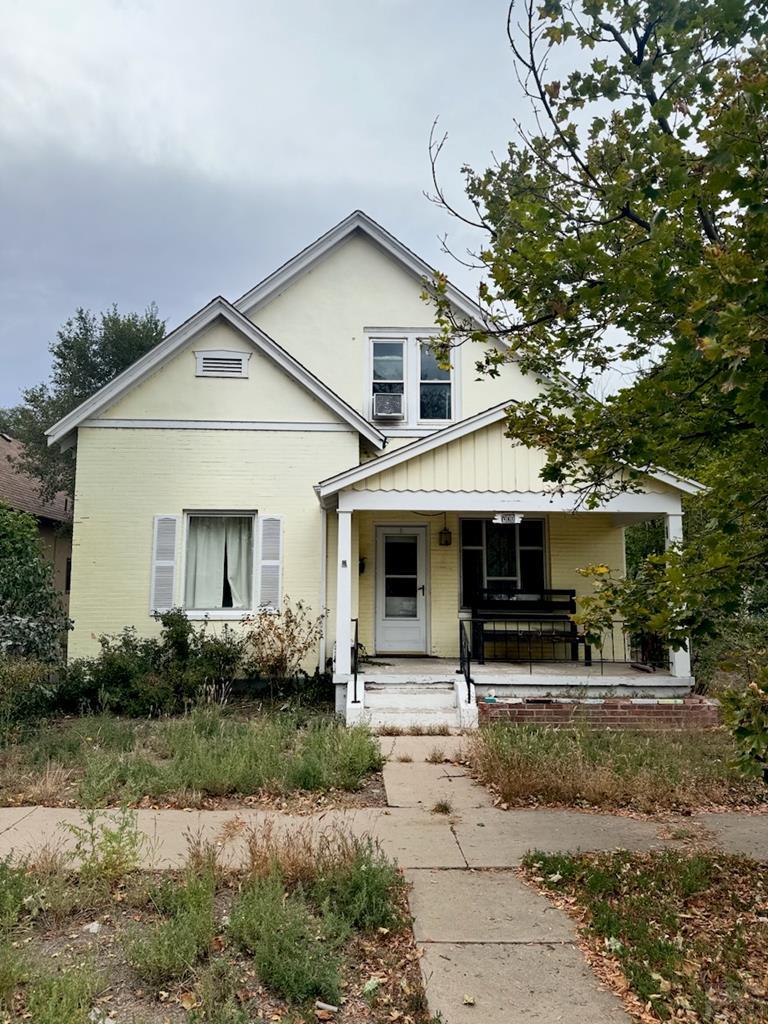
pixel 483 461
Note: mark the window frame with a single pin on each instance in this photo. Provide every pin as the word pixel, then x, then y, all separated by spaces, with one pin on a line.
pixel 412 424
pixel 544 549
pixel 223 614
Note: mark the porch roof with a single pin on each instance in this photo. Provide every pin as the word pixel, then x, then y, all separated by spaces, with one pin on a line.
pixel 471 465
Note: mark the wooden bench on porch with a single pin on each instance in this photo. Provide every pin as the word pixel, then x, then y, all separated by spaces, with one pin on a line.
pixel 527 626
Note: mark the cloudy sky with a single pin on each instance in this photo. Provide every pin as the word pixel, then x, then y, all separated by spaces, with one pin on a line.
pixel 172 150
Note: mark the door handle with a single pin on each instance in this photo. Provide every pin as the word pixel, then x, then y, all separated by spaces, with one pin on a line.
pixel 421 588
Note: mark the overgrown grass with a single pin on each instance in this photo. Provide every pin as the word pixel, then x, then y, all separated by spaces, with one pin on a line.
pixel 689 931
pixel 173 947
pixel 208 752
pixel 293 921
pixel 68 996
pixel 584 767
pixel 292 950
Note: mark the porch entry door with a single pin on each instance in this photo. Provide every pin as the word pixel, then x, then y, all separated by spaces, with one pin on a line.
pixel 401 588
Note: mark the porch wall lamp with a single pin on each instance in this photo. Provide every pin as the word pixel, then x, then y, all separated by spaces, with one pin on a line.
pixel 445 537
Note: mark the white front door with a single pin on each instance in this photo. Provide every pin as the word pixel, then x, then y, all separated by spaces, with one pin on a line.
pixel 401 587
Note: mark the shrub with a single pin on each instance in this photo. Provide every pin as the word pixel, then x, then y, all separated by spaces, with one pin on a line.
pixel 279 641
pixel 357 882
pixel 33 622
pixel 15 888
pixel 54 998
pixel 172 948
pixel 746 715
pixel 27 689
pixel 283 937
pixel 140 676
pixel 13 972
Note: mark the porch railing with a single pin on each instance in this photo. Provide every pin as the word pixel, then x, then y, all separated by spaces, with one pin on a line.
pixel 355 658
pixel 535 641
pixel 465 657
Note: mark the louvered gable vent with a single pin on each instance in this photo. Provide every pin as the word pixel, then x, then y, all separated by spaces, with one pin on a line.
pixel 219 363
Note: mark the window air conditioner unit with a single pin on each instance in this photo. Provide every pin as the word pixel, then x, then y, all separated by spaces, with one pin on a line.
pixel 388 407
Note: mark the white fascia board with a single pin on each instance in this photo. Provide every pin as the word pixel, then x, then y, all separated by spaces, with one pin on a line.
pixel 646 504
pixel 164 351
pixel 357 221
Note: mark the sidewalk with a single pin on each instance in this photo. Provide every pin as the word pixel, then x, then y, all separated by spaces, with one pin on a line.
pixel 494 951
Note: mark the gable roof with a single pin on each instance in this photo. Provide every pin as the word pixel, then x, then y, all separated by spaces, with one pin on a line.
pixel 331 486
pixel 218 308
pixel 356 223
pixel 22 492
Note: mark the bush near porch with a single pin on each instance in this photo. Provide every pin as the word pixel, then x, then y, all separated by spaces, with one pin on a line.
pixel 582 767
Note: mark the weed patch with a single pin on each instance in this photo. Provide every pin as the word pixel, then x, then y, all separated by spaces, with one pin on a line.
pixel 599 768
pixel 208 752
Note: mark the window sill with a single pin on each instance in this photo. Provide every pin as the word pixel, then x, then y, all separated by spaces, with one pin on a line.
pixel 418 430
pixel 218 614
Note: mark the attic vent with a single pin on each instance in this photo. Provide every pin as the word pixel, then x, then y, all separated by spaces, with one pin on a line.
pixel 220 363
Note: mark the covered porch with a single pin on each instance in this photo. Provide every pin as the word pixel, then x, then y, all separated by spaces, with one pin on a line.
pixel 453 569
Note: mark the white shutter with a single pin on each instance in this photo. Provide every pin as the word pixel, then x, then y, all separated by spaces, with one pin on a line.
pixel 270 561
pixel 163 564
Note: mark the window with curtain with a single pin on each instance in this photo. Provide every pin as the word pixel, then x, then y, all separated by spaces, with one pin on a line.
pixel 503 557
pixel 219 562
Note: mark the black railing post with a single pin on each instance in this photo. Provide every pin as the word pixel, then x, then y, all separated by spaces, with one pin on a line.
pixel 355 658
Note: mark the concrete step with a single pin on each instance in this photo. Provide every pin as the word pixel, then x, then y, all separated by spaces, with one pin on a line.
pixel 409 701
pixel 409 718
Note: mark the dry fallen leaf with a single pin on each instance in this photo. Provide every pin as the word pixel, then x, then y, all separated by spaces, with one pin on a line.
pixel 188 1000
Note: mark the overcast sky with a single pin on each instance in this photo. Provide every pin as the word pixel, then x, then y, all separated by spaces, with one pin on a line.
pixel 173 150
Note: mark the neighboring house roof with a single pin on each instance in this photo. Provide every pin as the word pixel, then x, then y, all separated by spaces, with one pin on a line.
pixel 331 486
pixel 22 492
pixel 360 223
pixel 218 308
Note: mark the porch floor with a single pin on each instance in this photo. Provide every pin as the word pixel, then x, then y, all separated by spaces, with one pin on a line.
pixel 496 672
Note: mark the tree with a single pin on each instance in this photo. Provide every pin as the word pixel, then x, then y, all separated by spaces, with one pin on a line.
pixel 89 352
pixel 32 620
pixel 628 232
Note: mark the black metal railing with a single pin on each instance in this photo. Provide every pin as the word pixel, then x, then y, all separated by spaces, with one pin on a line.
pixel 355 658
pixel 534 641
pixel 465 657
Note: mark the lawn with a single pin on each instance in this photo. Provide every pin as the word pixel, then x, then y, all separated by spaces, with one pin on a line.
pixel 194 760
pixel 306 920
pixel 683 937
pixel 647 772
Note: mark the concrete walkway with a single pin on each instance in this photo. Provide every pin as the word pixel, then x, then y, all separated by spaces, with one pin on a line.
pixel 494 951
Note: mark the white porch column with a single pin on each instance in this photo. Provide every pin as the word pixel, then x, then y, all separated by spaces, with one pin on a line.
pixel 343 597
pixel 680 661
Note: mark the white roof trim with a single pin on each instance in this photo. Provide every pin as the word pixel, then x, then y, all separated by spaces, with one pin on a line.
pixel 167 348
pixel 333 485
pixel 357 221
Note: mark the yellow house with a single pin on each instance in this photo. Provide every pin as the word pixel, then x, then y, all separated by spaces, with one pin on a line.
pixel 303 443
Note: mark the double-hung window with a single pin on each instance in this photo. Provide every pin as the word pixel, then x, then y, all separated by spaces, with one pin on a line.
pixel 501 557
pixel 405 365
pixel 219 562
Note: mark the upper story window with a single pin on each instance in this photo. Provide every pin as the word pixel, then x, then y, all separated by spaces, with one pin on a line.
pixel 408 387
